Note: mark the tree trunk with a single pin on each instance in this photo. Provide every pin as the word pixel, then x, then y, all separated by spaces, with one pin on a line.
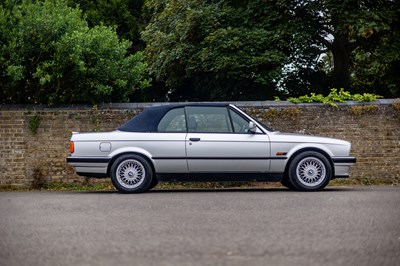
pixel 341 50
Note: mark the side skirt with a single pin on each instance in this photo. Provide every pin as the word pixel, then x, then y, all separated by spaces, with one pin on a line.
pixel 220 177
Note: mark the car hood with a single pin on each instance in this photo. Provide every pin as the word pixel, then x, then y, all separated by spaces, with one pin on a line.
pixel 292 137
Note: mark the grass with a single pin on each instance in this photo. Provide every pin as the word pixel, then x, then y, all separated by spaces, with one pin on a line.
pixel 365 181
pixel 107 186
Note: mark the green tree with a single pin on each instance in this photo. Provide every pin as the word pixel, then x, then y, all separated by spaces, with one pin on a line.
pixel 125 15
pixel 218 50
pixel 357 34
pixel 49 55
pixel 376 61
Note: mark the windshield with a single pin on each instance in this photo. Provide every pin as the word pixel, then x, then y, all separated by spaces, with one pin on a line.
pixel 264 125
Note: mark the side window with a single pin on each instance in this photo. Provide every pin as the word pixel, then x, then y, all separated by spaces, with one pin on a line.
pixel 208 119
pixel 173 121
pixel 240 125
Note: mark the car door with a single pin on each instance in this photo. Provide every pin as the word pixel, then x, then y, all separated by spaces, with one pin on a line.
pixel 167 145
pixel 218 142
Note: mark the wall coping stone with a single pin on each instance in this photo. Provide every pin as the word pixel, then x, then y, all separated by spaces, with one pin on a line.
pixel 244 104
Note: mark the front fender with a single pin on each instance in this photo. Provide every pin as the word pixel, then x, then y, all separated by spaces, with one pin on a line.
pixel 309 146
pixel 279 166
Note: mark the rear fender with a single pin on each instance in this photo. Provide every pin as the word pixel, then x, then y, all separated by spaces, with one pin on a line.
pixel 129 150
pixel 125 150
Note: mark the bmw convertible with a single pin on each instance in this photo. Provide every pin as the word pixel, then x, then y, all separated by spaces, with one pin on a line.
pixel 206 142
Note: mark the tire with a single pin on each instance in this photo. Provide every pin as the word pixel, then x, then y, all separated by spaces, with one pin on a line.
pixel 310 171
pixel 153 183
pixel 286 183
pixel 131 174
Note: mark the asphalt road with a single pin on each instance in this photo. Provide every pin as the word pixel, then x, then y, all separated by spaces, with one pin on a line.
pixel 339 226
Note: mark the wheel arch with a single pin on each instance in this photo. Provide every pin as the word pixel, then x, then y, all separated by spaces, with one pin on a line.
pixel 115 157
pixel 306 149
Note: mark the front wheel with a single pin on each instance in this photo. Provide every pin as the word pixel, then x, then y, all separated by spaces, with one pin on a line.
pixel 154 183
pixel 310 171
pixel 131 174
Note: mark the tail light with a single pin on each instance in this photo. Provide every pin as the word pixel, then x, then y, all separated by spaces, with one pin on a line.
pixel 71 147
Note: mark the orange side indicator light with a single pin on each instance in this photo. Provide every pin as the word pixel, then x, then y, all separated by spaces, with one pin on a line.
pixel 71 147
pixel 279 153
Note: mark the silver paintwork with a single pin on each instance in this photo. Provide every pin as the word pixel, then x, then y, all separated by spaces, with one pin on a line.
pixel 234 147
pixel 227 146
pixel 98 169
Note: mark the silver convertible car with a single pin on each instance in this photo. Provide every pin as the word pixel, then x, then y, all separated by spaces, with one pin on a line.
pixel 206 142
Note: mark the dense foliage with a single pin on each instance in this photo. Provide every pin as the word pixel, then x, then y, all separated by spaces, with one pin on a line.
pixel 360 43
pixel 126 15
pixel 225 50
pixel 49 55
pixel 86 51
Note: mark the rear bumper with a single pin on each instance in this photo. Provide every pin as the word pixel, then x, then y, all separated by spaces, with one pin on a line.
pixel 342 166
pixel 87 160
pixel 90 166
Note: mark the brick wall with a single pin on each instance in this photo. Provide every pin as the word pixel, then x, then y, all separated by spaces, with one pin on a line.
pixel 373 129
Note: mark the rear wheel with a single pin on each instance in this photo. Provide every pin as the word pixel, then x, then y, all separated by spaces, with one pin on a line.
pixel 310 171
pixel 286 183
pixel 131 174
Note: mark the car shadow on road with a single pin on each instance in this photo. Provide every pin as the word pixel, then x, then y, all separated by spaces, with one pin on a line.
pixel 223 190
pixel 246 190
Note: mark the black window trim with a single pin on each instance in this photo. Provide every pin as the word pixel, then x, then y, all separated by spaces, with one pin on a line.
pixel 203 132
pixel 227 107
pixel 248 120
pixel 184 113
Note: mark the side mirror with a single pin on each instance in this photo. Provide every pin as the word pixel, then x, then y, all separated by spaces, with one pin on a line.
pixel 252 127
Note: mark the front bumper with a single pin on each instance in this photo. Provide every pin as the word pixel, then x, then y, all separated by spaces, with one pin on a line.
pixel 342 166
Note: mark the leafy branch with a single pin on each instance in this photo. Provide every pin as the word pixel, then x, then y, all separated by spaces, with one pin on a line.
pixel 334 97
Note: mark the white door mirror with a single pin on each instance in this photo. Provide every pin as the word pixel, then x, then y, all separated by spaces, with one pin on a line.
pixel 252 127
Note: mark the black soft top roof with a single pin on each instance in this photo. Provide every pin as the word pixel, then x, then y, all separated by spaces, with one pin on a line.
pixel 147 121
